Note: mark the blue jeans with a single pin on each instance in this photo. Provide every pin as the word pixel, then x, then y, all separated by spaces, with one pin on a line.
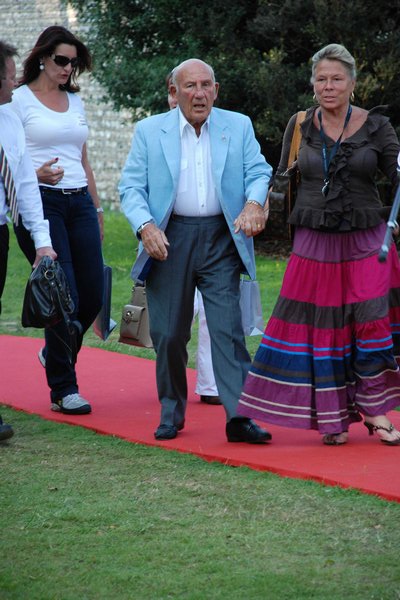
pixel 75 236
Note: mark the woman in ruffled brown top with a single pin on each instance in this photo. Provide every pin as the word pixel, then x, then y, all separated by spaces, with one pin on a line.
pixel 328 355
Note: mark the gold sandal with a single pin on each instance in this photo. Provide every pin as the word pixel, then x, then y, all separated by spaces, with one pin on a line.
pixel 372 428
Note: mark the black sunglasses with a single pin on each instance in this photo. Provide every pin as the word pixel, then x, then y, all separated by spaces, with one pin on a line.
pixel 63 61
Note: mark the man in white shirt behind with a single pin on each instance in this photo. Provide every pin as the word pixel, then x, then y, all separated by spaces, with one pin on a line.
pixel 12 140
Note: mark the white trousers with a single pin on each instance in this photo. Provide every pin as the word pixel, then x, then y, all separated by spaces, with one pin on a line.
pixel 205 383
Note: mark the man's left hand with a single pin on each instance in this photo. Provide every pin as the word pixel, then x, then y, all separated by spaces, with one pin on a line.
pixel 251 220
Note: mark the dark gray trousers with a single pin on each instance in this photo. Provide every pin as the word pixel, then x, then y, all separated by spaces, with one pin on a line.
pixel 201 254
pixel 4 243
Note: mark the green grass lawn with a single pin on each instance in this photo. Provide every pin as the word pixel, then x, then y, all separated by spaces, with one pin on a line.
pixel 85 516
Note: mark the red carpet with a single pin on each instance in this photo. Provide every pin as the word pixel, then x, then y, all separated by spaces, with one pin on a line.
pixel 122 391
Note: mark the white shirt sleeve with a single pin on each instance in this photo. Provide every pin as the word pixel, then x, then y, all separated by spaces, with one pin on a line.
pixel 12 138
pixel 30 202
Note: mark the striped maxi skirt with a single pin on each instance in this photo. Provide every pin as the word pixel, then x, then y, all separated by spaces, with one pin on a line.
pixel 331 348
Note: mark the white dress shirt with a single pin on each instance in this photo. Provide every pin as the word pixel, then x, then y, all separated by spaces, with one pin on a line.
pixel 196 195
pixel 12 138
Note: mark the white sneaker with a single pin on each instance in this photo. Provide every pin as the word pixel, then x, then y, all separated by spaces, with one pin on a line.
pixel 73 404
pixel 42 358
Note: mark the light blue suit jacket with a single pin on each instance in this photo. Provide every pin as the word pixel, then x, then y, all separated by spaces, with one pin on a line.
pixel 150 177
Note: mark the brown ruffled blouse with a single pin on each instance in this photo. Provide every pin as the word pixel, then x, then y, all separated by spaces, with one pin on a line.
pixel 353 200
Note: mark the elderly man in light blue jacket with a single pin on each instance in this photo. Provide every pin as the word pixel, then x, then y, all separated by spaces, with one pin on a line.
pixel 193 189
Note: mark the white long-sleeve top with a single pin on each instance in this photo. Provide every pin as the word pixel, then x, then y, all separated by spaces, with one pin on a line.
pixel 51 134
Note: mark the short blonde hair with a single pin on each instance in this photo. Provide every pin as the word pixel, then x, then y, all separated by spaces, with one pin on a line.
pixel 334 52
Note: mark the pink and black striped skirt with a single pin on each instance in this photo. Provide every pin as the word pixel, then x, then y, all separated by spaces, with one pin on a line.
pixel 331 348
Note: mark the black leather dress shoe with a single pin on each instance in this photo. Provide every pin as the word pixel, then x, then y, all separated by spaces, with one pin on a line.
pixel 210 400
pixel 6 431
pixel 245 430
pixel 166 432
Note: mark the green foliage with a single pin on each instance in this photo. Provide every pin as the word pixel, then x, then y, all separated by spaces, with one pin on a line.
pixel 260 52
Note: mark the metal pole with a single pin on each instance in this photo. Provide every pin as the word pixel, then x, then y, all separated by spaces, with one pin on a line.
pixel 391 224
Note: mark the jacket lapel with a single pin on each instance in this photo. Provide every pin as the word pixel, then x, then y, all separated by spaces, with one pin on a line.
pixel 171 145
pixel 219 139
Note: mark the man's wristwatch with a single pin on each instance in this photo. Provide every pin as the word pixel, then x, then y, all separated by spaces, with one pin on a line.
pixel 140 229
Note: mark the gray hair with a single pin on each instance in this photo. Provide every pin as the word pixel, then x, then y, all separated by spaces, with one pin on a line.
pixel 6 51
pixel 183 64
pixel 334 52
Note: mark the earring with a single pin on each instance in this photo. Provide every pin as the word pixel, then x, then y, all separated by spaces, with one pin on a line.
pixel 315 99
pixel 352 97
pixel 41 66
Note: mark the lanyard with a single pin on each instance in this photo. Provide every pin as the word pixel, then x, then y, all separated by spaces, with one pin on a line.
pixel 328 157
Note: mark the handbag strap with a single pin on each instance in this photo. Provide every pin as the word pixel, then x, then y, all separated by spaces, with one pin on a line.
pixel 296 138
pixel 74 328
pixel 139 286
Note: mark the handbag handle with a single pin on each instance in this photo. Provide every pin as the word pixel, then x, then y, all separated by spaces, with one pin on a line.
pixel 296 138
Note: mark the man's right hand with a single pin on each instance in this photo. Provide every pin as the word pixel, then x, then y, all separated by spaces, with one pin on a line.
pixel 49 174
pixel 155 242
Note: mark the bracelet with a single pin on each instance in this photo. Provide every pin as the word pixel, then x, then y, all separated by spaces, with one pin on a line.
pixel 99 209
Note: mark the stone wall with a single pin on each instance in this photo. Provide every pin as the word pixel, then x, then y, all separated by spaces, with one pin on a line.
pixel 21 22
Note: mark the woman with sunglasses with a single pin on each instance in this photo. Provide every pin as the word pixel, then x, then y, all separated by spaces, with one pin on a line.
pixel 56 131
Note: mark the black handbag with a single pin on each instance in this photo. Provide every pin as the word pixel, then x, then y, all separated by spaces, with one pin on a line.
pixel 47 299
pixel 47 302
